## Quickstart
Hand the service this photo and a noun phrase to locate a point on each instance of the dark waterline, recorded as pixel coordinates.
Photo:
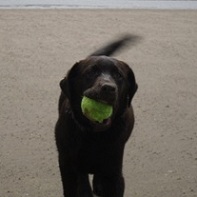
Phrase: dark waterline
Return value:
(96, 4)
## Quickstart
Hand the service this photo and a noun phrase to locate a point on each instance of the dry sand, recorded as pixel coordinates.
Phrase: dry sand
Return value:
(39, 46)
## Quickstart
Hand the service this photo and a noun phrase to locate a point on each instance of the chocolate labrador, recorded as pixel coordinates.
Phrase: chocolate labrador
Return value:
(90, 147)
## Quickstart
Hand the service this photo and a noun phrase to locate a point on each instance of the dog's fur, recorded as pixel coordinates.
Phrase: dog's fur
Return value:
(88, 147)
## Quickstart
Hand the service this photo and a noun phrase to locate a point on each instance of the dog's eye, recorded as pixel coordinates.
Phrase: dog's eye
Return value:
(96, 73)
(93, 72)
(118, 76)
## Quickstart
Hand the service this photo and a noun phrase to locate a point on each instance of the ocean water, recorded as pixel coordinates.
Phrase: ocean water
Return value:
(95, 4)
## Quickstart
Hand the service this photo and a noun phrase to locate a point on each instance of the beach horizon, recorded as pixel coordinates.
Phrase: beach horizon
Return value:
(101, 4)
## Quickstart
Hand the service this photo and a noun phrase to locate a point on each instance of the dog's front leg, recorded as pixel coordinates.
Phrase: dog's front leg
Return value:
(74, 183)
(69, 180)
(84, 188)
(108, 185)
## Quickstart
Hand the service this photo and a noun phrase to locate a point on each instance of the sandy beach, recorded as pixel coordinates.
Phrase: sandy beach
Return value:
(37, 49)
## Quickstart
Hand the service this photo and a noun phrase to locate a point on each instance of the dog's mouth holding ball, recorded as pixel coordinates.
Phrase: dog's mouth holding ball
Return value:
(104, 123)
(97, 111)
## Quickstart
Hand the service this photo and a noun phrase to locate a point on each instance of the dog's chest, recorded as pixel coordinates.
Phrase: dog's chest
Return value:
(91, 155)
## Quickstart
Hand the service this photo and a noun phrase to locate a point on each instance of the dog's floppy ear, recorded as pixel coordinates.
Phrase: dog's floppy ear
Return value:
(64, 86)
(132, 86)
(66, 83)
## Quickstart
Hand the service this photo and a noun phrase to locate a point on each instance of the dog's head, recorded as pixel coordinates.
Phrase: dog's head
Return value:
(103, 79)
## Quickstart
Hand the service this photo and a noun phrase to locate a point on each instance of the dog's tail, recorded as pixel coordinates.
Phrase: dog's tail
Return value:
(116, 45)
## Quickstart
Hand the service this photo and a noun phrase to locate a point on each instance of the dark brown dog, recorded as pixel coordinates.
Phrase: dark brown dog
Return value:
(88, 147)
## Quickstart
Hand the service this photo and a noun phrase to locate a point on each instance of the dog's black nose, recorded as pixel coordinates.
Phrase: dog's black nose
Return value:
(108, 88)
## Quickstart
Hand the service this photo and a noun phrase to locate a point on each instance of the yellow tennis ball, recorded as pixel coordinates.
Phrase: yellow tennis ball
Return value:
(94, 110)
